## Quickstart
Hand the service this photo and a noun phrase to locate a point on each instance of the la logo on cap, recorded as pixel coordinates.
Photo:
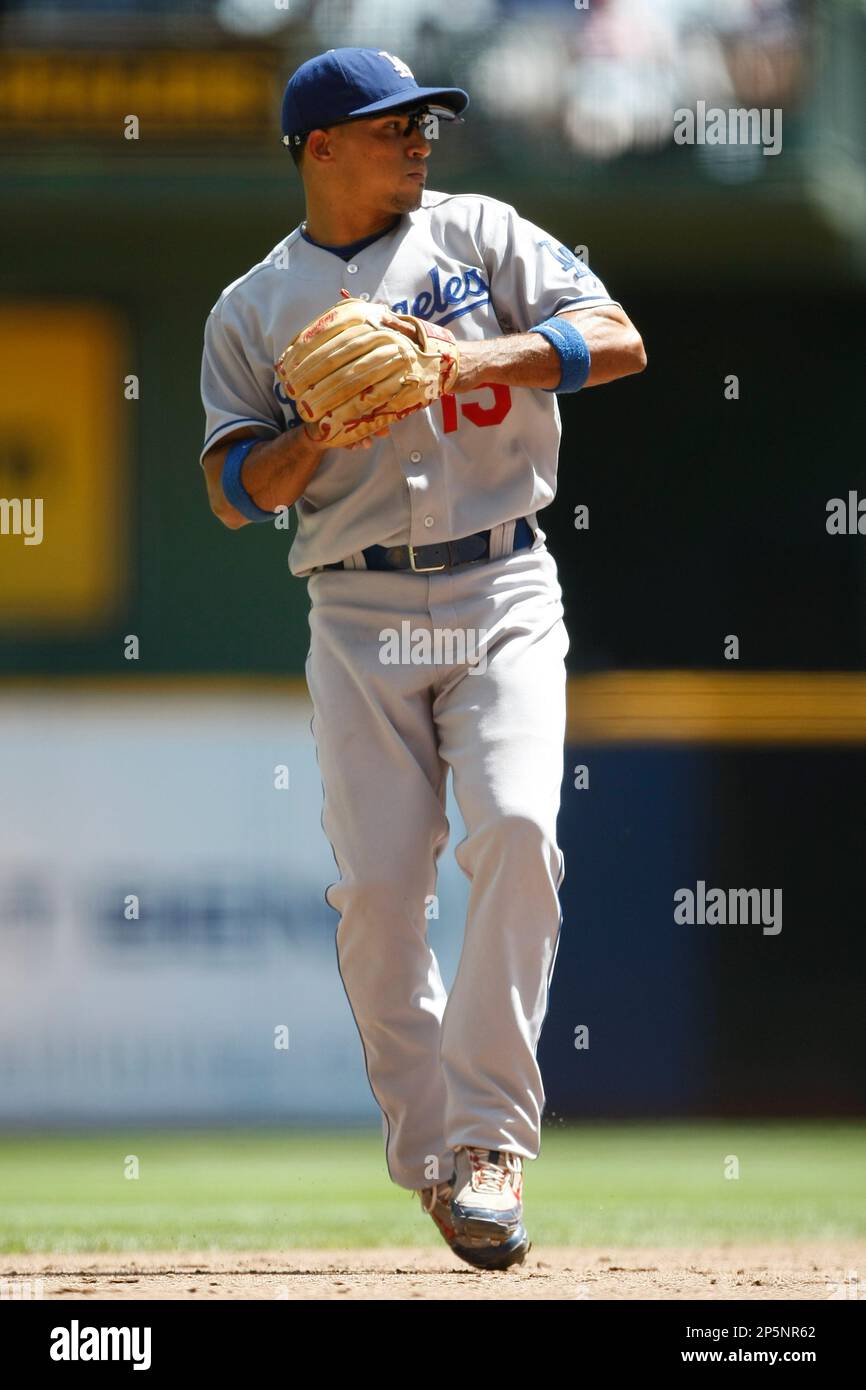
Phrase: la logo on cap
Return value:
(402, 69)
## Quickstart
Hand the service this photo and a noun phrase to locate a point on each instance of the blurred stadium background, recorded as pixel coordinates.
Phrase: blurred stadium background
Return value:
(151, 777)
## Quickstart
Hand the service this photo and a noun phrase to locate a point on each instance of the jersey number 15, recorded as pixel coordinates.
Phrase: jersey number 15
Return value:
(474, 411)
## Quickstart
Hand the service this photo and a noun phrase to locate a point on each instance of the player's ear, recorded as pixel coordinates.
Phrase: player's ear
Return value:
(321, 144)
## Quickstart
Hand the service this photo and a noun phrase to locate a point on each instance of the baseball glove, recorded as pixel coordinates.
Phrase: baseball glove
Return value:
(359, 367)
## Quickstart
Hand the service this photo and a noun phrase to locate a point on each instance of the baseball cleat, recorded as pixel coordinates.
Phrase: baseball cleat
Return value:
(494, 1254)
(481, 1252)
(488, 1195)
(436, 1200)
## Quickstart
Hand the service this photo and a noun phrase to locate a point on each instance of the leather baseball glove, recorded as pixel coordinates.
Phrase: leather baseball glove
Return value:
(359, 367)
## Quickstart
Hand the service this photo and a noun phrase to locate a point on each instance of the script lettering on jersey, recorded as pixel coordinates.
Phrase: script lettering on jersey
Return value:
(449, 297)
(458, 294)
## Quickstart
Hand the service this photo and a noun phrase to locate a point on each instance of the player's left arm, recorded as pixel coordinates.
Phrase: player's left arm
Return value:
(527, 359)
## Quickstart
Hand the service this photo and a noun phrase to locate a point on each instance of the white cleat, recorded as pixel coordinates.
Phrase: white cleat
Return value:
(488, 1194)
(485, 1244)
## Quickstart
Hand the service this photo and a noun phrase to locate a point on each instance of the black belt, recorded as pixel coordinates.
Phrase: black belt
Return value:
(440, 555)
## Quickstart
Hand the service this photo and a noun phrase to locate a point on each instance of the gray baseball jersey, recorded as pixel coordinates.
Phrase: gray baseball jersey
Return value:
(468, 462)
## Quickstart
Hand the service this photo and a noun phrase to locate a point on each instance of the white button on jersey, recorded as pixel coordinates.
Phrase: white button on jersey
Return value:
(414, 456)
(352, 269)
(363, 295)
(428, 521)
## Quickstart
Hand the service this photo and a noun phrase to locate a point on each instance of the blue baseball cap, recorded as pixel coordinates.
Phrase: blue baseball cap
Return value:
(348, 82)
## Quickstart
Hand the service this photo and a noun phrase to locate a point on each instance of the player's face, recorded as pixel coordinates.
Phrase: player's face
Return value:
(384, 167)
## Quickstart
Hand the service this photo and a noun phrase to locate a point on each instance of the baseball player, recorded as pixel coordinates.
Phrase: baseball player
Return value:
(390, 369)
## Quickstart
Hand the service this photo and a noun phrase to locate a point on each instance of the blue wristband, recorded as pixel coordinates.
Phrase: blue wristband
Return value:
(573, 352)
(233, 488)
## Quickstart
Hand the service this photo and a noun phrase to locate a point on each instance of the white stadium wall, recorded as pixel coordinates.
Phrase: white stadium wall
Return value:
(173, 1016)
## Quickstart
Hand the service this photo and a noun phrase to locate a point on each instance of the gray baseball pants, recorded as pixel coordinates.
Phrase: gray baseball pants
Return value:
(389, 720)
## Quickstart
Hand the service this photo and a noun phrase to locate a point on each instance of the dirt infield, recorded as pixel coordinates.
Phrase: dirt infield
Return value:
(808, 1271)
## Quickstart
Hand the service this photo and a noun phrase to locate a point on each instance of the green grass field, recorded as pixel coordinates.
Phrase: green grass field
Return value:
(618, 1184)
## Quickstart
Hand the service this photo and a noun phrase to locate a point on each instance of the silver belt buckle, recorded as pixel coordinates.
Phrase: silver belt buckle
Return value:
(421, 569)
